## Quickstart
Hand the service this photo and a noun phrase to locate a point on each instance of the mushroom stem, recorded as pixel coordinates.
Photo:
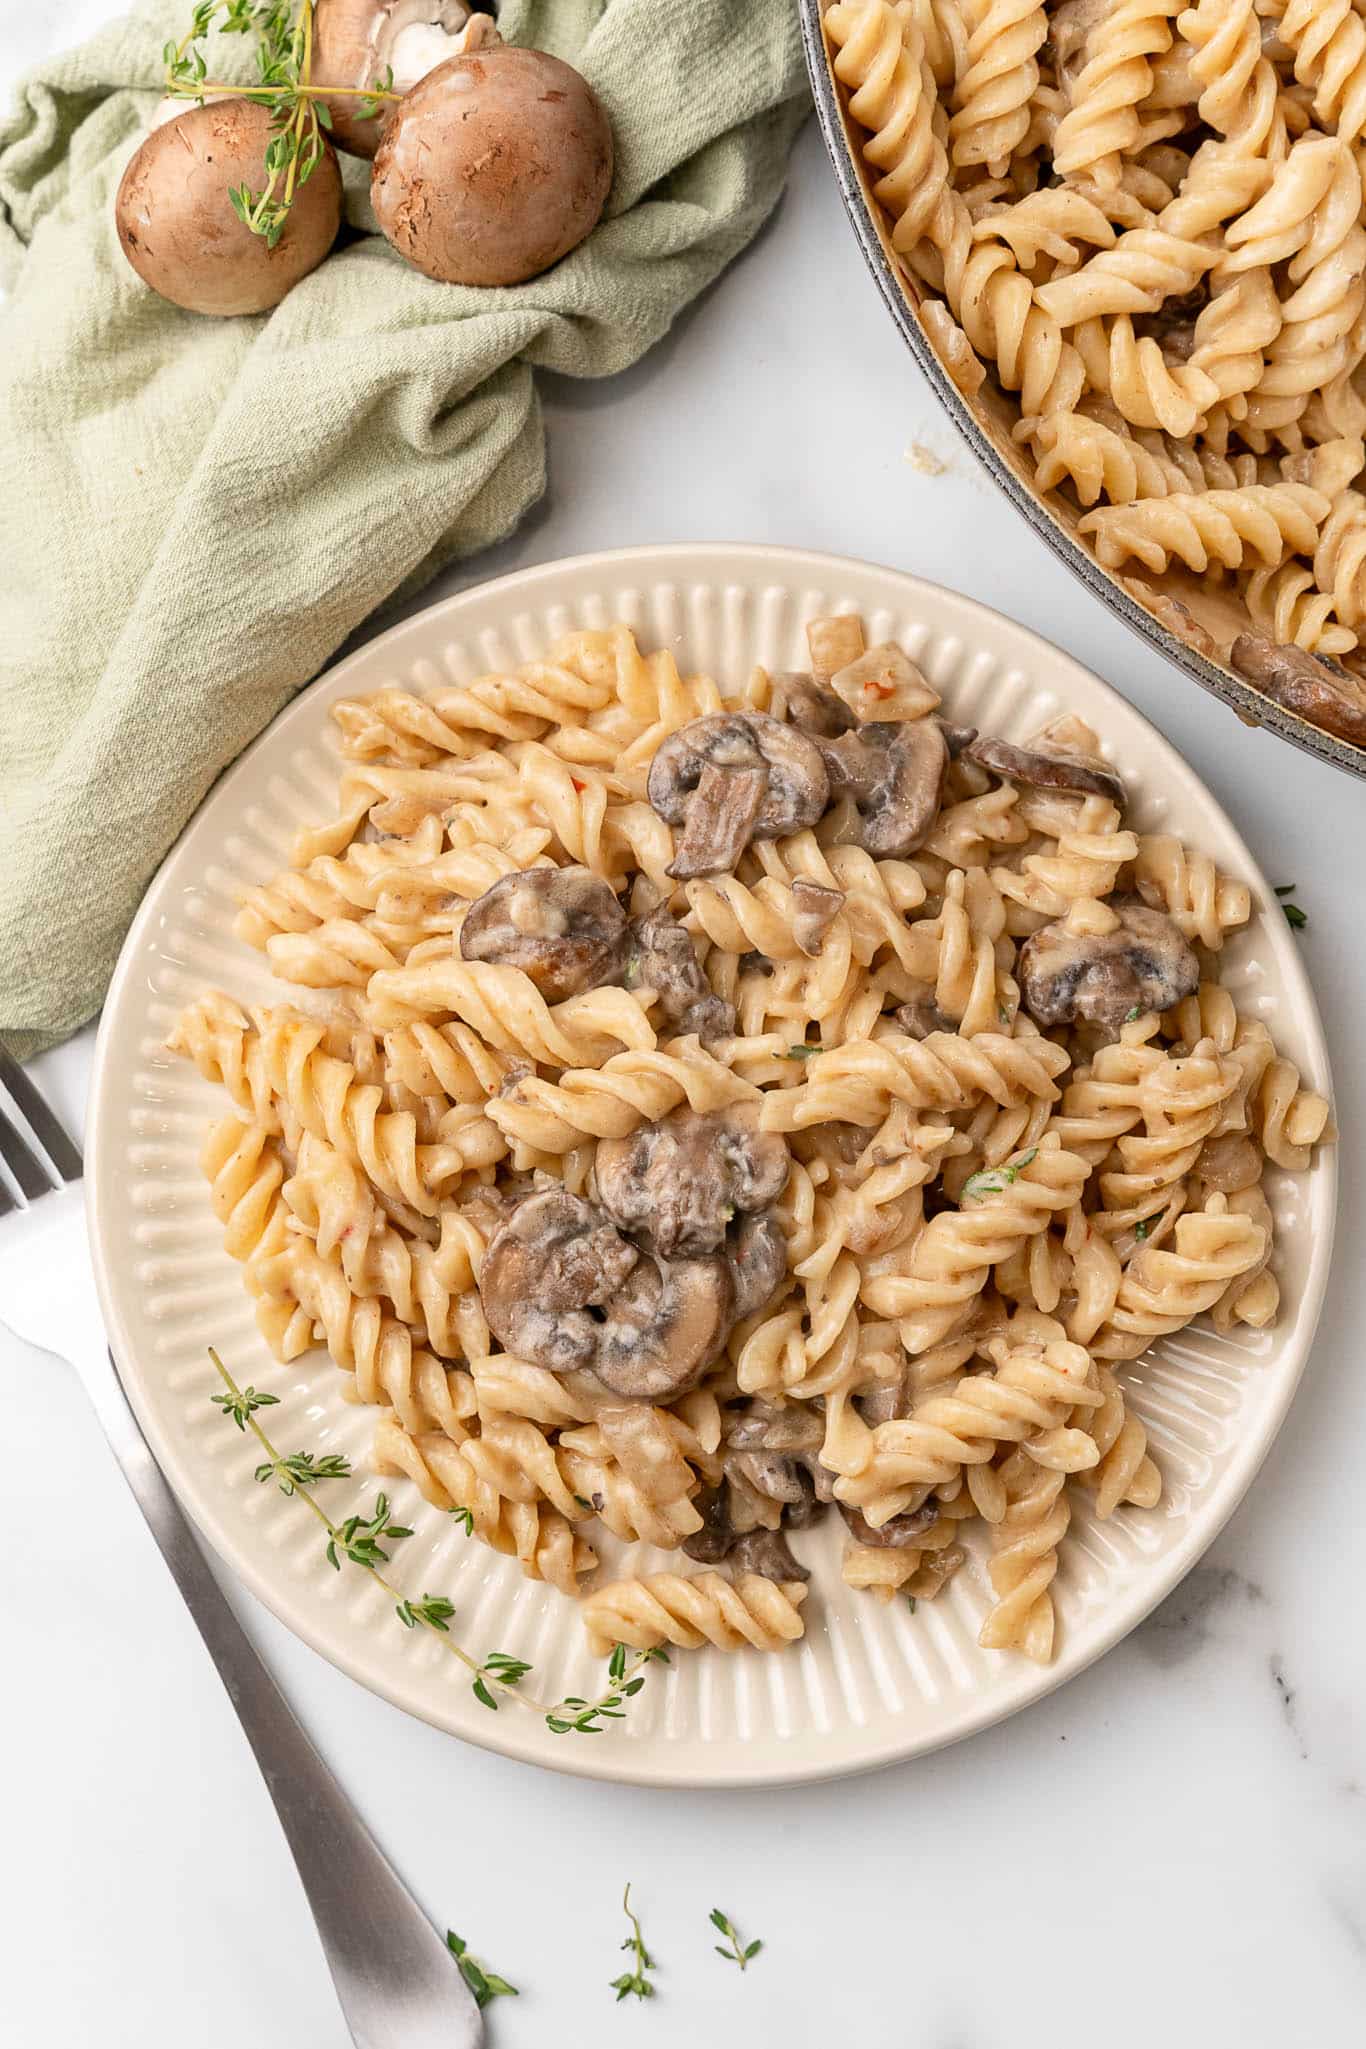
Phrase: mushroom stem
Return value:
(720, 820)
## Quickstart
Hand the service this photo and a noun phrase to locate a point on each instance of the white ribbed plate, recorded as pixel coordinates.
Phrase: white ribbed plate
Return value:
(870, 1683)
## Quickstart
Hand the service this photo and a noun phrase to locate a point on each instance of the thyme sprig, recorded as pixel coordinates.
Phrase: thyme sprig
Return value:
(361, 1539)
(298, 108)
(634, 1984)
(483, 1983)
(736, 1954)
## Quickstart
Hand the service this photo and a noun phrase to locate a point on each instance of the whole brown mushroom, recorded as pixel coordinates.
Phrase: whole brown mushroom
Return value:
(358, 43)
(493, 167)
(176, 223)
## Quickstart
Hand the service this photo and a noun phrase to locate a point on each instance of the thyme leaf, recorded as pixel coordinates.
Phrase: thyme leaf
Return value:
(735, 1954)
(298, 107)
(483, 1983)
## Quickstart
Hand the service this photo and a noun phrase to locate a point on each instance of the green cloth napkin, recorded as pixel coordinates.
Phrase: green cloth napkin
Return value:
(194, 514)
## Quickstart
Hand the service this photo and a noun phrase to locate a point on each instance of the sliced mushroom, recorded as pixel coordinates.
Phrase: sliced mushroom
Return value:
(730, 778)
(664, 1328)
(888, 1401)
(1068, 28)
(561, 1287)
(1177, 617)
(815, 909)
(772, 1426)
(765, 1552)
(1143, 964)
(561, 926)
(894, 777)
(663, 958)
(774, 1453)
(1230, 1163)
(898, 1533)
(554, 1261)
(1045, 770)
(678, 1184)
(956, 738)
(922, 1017)
(804, 702)
(712, 1543)
(757, 1252)
(1303, 683)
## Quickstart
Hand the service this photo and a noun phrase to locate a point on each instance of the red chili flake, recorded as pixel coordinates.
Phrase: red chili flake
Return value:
(580, 787)
(876, 689)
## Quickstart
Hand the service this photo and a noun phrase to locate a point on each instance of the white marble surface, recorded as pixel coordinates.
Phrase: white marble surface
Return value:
(1174, 1847)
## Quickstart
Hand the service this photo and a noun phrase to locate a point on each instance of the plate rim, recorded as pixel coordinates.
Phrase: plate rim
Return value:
(680, 561)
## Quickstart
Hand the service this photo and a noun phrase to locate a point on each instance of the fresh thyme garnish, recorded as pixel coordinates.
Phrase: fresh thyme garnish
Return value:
(1003, 1013)
(359, 1540)
(587, 1717)
(242, 1402)
(298, 108)
(910, 1602)
(504, 1671)
(634, 1982)
(735, 1954)
(465, 1517)
(991, 1180)
(1145, 1224)
(1294, 916)
(483, 1983)
(1132, 1016)
(434, 1612)
(301, 1469)
(802, 1052)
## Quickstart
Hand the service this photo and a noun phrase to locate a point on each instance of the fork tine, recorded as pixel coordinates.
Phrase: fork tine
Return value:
(28, 1170)
(64, 1154)
(7, 1202)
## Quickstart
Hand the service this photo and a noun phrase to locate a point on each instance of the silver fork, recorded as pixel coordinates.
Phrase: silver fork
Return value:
(398, 1985)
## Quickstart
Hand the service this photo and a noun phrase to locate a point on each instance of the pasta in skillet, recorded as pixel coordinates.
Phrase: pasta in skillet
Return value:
(725, 1114)
(1143, 221)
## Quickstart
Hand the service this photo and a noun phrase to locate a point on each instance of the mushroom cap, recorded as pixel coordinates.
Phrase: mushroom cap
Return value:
(1145, 964)
(175, 220)
(665, 1327)
(800, 700)
(1303, 683)
(757, 1251)
(356, 41)
(561, 926)
(493, 167)
(730, 778)
(561, 1287)
(555, 1259)
(1045, 769)
(664, 959)
(814, 910)
(893, 773)
(678, 1184)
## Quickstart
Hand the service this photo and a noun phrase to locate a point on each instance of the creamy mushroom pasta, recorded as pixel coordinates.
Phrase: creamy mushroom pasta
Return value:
(727, 1113)
(1143, 221)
